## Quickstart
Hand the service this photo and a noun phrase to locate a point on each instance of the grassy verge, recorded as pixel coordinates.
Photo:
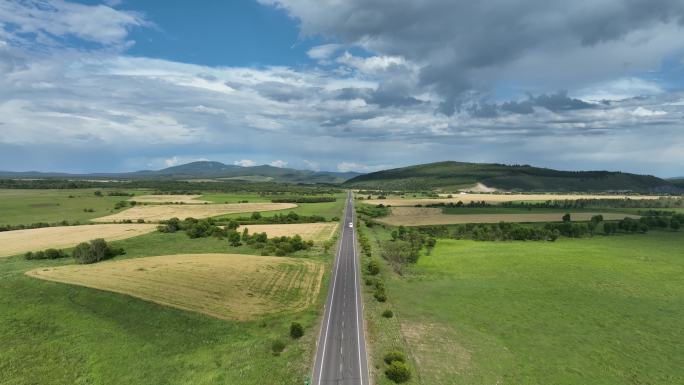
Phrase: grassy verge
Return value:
(603, 310)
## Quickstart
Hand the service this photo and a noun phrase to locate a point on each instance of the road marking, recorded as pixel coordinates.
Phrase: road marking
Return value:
(332, 300)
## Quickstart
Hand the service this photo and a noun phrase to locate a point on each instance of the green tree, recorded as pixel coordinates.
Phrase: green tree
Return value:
(296, 330)
(566, 217)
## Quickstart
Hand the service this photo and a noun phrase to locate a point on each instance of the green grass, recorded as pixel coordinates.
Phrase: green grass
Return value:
(233, 198)
(30, 206)
(53, 333)
(326, 209)
(603, 310)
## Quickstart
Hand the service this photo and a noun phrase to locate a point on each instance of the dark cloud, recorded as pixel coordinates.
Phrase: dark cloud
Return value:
(461, 45)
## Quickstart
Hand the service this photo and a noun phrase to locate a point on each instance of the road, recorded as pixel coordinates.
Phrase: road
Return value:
(341, 350)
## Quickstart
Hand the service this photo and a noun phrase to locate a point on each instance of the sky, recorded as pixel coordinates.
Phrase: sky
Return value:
(353, 85)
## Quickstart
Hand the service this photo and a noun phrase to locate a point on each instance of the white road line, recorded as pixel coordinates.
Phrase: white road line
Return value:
(332, 300)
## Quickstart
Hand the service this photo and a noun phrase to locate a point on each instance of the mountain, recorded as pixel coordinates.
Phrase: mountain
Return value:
(205, 170)
(452, 175)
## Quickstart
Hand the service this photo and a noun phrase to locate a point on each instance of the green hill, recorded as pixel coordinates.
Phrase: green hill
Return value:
(453, 175)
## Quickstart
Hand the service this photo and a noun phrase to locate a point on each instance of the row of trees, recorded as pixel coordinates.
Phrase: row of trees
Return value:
(306, 199)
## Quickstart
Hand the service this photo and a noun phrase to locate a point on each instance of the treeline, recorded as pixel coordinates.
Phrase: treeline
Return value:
(38, 225)
(257, 219)
(373, 211)
(84, 253)
(405, 247)
(572, 204)
(313, 199)
(175, 186)
(202, 228)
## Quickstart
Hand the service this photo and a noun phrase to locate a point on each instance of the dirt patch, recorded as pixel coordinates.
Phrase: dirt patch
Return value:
(21, 241)
(418, 216)
(226, 286)
(155, 213)
(179, 199)
(494, 198)
(437, 352)
(308, 231)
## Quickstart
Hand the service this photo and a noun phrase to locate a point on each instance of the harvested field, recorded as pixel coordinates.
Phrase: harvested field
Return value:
(418, 216)
(226, 286)
(493, 198)
(155, 213)
(308, 231)
(21, 241)
(185, 199)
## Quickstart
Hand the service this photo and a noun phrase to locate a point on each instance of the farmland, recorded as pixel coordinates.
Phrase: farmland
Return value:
(61, 237)
(574, 311)
(155, 213)
(169, 198)
(189, 319)
(227, 286)
(308, 231)
(419, 216)
(497, 198)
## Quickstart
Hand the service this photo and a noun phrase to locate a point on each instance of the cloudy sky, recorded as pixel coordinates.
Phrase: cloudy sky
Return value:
(342, 85)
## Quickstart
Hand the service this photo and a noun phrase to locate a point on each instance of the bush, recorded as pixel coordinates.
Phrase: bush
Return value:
(277, 347)
(95, 251)
(373, 267)
(296, 330)
(387, 313)
(398, 372)
(394, 355)
(380, 295)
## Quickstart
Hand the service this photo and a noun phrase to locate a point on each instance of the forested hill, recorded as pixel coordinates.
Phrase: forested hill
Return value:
(452, 175)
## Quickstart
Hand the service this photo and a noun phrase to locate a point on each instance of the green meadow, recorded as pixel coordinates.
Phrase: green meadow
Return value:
(602, 310)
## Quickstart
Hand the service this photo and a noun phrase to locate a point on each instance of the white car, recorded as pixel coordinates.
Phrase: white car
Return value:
(351, 224)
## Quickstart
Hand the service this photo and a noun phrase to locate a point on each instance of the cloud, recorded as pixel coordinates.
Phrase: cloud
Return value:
(645, 112)
(311, 165)
(53, 21)
(245, 163)
(171, 161)
(358, 167)
(323, 52)
(465, 48)
(278, 163)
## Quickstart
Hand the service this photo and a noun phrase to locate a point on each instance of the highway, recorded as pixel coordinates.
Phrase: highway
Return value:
(341, 350)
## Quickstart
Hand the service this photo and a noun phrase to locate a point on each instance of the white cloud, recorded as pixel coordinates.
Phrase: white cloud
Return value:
(171, 161)
(311, 165)
(645, 112)
(245, 163)
(358, 167)
(323, 52)
(620, 89)
(278, 163)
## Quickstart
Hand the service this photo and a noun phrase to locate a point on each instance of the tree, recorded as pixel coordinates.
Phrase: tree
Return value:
(674, 224)
(296, 330)
(256, 215)
(232, 225)
(566, 217)
(234, 238)
(398, 372)
(394, 355)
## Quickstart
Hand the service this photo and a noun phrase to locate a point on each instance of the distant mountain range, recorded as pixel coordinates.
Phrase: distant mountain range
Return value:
(444, 176)
(205, 170)
(460, 175)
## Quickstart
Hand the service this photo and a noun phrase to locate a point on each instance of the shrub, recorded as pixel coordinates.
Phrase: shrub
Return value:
(95, 251)
(373, 267)
(398, 372)
(380, 295)
(277, 347)
(394, 355)
(296, 330)
(387, 313)
(141, 220)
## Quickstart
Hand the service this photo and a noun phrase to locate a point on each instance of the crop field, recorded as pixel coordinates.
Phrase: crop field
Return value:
(308, 231)
(155, 213)
(226, 286)
(21, 241)
(328, 210)
(233, 198)
(602, 310)
(495, 198)
(22, 207)
(185, 199)
(419, 216)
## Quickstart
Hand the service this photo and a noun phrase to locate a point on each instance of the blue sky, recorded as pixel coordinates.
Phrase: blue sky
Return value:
(355, 85)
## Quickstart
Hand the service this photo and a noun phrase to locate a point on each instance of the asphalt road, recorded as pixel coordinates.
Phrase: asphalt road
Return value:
(341, 352)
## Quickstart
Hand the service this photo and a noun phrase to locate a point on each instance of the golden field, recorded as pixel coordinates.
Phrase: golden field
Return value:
(156, 213)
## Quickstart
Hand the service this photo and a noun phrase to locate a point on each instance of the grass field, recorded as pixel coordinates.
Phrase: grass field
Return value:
(233, 198)
(227, 286)
(494, 198)
(19, 207)
(328, 210)
(53, 333)
(602, 310)
(419, 216)
(316, 232)
(186, 199)
(155, 213)
(61, 237)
